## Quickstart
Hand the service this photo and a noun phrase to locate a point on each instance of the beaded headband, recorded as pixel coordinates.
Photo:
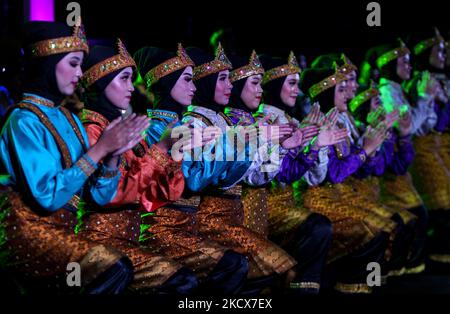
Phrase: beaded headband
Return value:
(253, 67)
(114, 63)
(392, 55)
(327, 83)
(291, 67)
(76, 42)
(347, 67)
(181, 61)
(361, 98)
(430, 42)
(219, 63)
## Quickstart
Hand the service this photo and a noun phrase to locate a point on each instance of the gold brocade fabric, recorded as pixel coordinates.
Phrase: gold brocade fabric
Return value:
(399, 191)
(175, 234)
(369, 189)
(444, 148)
(430, 175)
(121, 230)
(353, 225)
(220, 218)
(41, 247)
(254, 200)
(285, 215)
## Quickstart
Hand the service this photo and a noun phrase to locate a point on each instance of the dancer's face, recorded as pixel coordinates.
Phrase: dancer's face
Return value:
(68, 72)
(252, 91)
(290, 90)
(183, 90)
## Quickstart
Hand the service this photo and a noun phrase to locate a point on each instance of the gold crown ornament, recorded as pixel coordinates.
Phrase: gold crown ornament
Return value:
(76, 42)
(291, 67)
(361, 98)
(348, 66)
(392, 55)
(169, 66)
(430, 42)
(327, 82)
(220, 63)
(253, 67)
(114, 63)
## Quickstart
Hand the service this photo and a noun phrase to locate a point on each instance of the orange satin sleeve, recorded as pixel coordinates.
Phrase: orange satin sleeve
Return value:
(151, 180)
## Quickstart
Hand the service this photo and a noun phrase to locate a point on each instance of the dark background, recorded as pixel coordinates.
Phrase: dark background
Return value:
(309, 27)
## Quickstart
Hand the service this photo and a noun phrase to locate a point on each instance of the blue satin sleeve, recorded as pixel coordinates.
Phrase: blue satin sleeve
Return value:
(223, 167)
(31, 157)
(102, 186)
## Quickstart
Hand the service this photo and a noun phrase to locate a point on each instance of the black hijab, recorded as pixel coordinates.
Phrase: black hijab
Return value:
(40, 72)
(146, 59)
(272, 89)
(238, 86)
(313, 76)
(96, 99)
(206, 86)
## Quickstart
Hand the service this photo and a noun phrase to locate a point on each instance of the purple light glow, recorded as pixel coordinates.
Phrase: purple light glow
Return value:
(42, 10)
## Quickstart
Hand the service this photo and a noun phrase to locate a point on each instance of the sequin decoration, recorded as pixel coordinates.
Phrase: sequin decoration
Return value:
(291, 67)
(220, 63)
(76, 42)
(181, 61)
(114, 63)
(254, 67)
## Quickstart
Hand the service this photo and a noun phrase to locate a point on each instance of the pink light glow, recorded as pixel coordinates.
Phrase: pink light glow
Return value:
(42, 10)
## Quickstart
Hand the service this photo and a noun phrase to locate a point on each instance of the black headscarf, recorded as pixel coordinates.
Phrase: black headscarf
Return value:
(421, 62)
(389, 70)
(327, 60)
(238, 86)
(206, 86)
(311, 77)
(272, 89)
(146, 59)
(96, 99)
(40, 72)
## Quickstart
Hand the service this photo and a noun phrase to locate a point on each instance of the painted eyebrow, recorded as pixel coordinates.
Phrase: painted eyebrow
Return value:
(75, 58)
(188, 74)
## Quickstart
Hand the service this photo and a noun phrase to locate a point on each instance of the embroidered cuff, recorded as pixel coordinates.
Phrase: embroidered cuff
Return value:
(304, 285)
(163, 159)
(87, 165)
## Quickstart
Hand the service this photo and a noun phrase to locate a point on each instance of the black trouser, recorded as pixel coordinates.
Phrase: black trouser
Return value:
(439, 232)
(114, 280)
(228, 276)
(352, 268)
(309, 246)
(417, 251)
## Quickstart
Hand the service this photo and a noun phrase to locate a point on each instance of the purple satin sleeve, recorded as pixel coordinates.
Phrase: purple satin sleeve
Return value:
(341, 168)
(294, 165)
(443, 114)
(398, 154)
(373, 166)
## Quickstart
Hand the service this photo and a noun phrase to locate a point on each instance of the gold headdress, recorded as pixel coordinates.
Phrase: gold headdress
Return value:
(361, 98)
(219, 63)
(327, 83)
(182, 60)
(430, 42)
(348, 66)
(392, 55)
(76, 42)
(291, 67)
(114, 63)
(253, 67)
